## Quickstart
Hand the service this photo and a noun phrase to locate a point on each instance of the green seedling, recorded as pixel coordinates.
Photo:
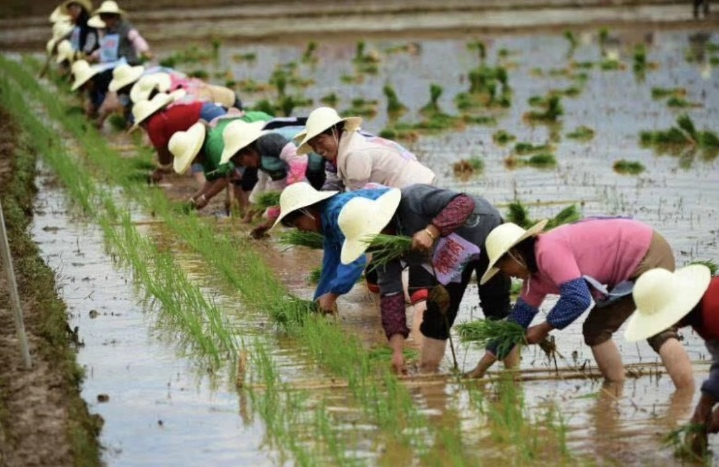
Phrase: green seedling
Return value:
(330, 100)
(529, 148)
(712, 265)
(553, 110)
(394, 106)
(308, 56)
(468, 166)
(387, 248)
(623, 166)
(296, 237)
(661, 93)
(519, 214)
(483, 332)
(581, 133)
(502, 137)
(268, 199)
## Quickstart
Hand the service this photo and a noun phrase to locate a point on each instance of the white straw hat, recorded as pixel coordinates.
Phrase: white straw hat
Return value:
(58, 15)
(83, 71)
(142, 110)
(148, 83)
(362, 218)
(663, 298)
(124, 75)
(239, 134)
(320, 120)
(60, 30)
(185, 145)
(65, 51)
(501, 239)
(96, 22)
(299, 195)
(86, 4)
(109, 7)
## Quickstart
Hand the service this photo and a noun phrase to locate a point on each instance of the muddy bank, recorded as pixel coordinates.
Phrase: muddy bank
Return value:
(43, 419)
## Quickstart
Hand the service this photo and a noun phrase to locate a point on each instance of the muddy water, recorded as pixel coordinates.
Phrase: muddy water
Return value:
(158, 399)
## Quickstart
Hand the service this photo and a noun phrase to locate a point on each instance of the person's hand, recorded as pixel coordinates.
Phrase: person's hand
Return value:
(156, 176)
(713, 422)
(537, 333)
(201, 201)
(398, 362)
(423, 240)
(259, 231)
(327, 303)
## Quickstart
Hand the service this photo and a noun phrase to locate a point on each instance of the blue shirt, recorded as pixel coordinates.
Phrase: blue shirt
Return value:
(336, 277)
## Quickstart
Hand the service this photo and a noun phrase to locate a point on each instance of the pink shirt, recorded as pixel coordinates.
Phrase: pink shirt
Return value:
(609, 250)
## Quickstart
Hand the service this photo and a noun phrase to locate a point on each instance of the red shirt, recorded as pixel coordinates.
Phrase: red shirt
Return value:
(709, 306)
(164, 124)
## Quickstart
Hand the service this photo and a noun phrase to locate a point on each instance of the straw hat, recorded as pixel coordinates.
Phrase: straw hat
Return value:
(86, 4)
(320, 120)
(148, 83)
(663, 298)
(142, 110)
(109, 7)
(96, 22)
(299, 195)
(82, 71)
(501, 239)
(58, 15)
(60, 30)
(65, 51)
(239, 134)
(185, 145)
(124, 75)
(362, 218)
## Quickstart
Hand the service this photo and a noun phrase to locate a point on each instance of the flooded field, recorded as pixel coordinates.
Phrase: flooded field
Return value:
(162, 405)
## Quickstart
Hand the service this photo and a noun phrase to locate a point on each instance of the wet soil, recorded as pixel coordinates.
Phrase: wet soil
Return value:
(43, 419)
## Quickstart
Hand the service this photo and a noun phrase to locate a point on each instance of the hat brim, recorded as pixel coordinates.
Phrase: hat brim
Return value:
(352, 124)
(183, 161)
(96, 22)
(383, 209)
(132, 76)
(231, 149)
(690, 282)
(492, 269)
(87, 77)
(158, 105)
(316, 198)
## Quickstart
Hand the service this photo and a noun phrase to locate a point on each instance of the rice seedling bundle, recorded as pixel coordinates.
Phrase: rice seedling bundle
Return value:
(295, 237)
(268, 199)
(387, 248)
(485, 331)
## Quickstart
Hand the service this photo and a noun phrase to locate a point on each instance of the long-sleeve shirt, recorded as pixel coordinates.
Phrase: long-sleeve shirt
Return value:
(336, 277)
(362, 159)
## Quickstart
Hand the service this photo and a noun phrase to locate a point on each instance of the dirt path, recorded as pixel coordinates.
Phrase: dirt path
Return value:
(43, 419)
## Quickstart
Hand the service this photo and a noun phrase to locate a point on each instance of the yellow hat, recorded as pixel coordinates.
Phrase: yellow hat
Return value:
(321, 119)
(109, 7)
(148, 83)
(185, 145)
(363, 218)
(144, 109)
(663, 298)
(501, 239)
(82, 71)
(124, 75)
(239, 134)
(299, 195)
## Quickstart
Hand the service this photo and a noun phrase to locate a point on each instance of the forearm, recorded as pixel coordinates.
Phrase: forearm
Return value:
(214, 187)
(453, 215)
(394, 318)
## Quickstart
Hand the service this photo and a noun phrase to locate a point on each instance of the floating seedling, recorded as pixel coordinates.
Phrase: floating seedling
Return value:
(432, 107)
(623, 166)
(469, 166)
(708, 263)
(252, 86)
(296, 237)
(661, 93)
(395, 108)
(330, 99)
(412, 48)
(362, 107)
(582, 65)
(502, 137)
(581, 133)
(611, 64)
(308, 56)
(199, 74)
(689, 441)
(552, 110)
(541, 161)
(488, 87)
(352, 79)
(529, 148)
(480, 48)
(572, 39)
(519, 214)
(246, 57)
(192, 54)
(505, 334)
(684, 134)
(680, 103)
(366, 62)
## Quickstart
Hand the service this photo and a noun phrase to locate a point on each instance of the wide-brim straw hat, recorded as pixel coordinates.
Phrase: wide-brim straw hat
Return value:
(58, 15)
(362, 218)
(501, 239)
(61, 30)
(109, 7)
(185, 145)
(148, 83)
(300, 195)
(141, 111)
(65, 51)
(83, 72)
(320, 120)
(86, 4)
(663, 298)
(96, 22)
(239, 134)
(124, 75)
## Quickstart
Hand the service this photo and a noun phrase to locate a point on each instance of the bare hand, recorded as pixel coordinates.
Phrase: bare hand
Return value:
(156, 176)
(259, 231)
(398, 362)
(201, 202)
(327, 303)
(422, 241)
(536, 334)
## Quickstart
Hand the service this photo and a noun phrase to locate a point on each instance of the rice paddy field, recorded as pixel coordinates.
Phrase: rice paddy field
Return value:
(196, 347)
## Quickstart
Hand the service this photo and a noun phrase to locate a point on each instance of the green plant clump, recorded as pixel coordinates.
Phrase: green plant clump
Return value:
(503, 137)
(529, 148)
(387, 248)
(582, 133)
(394, 106)
(553, 110)
(623, 166)
(519, 214)
(296, 237)
(484, 332)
